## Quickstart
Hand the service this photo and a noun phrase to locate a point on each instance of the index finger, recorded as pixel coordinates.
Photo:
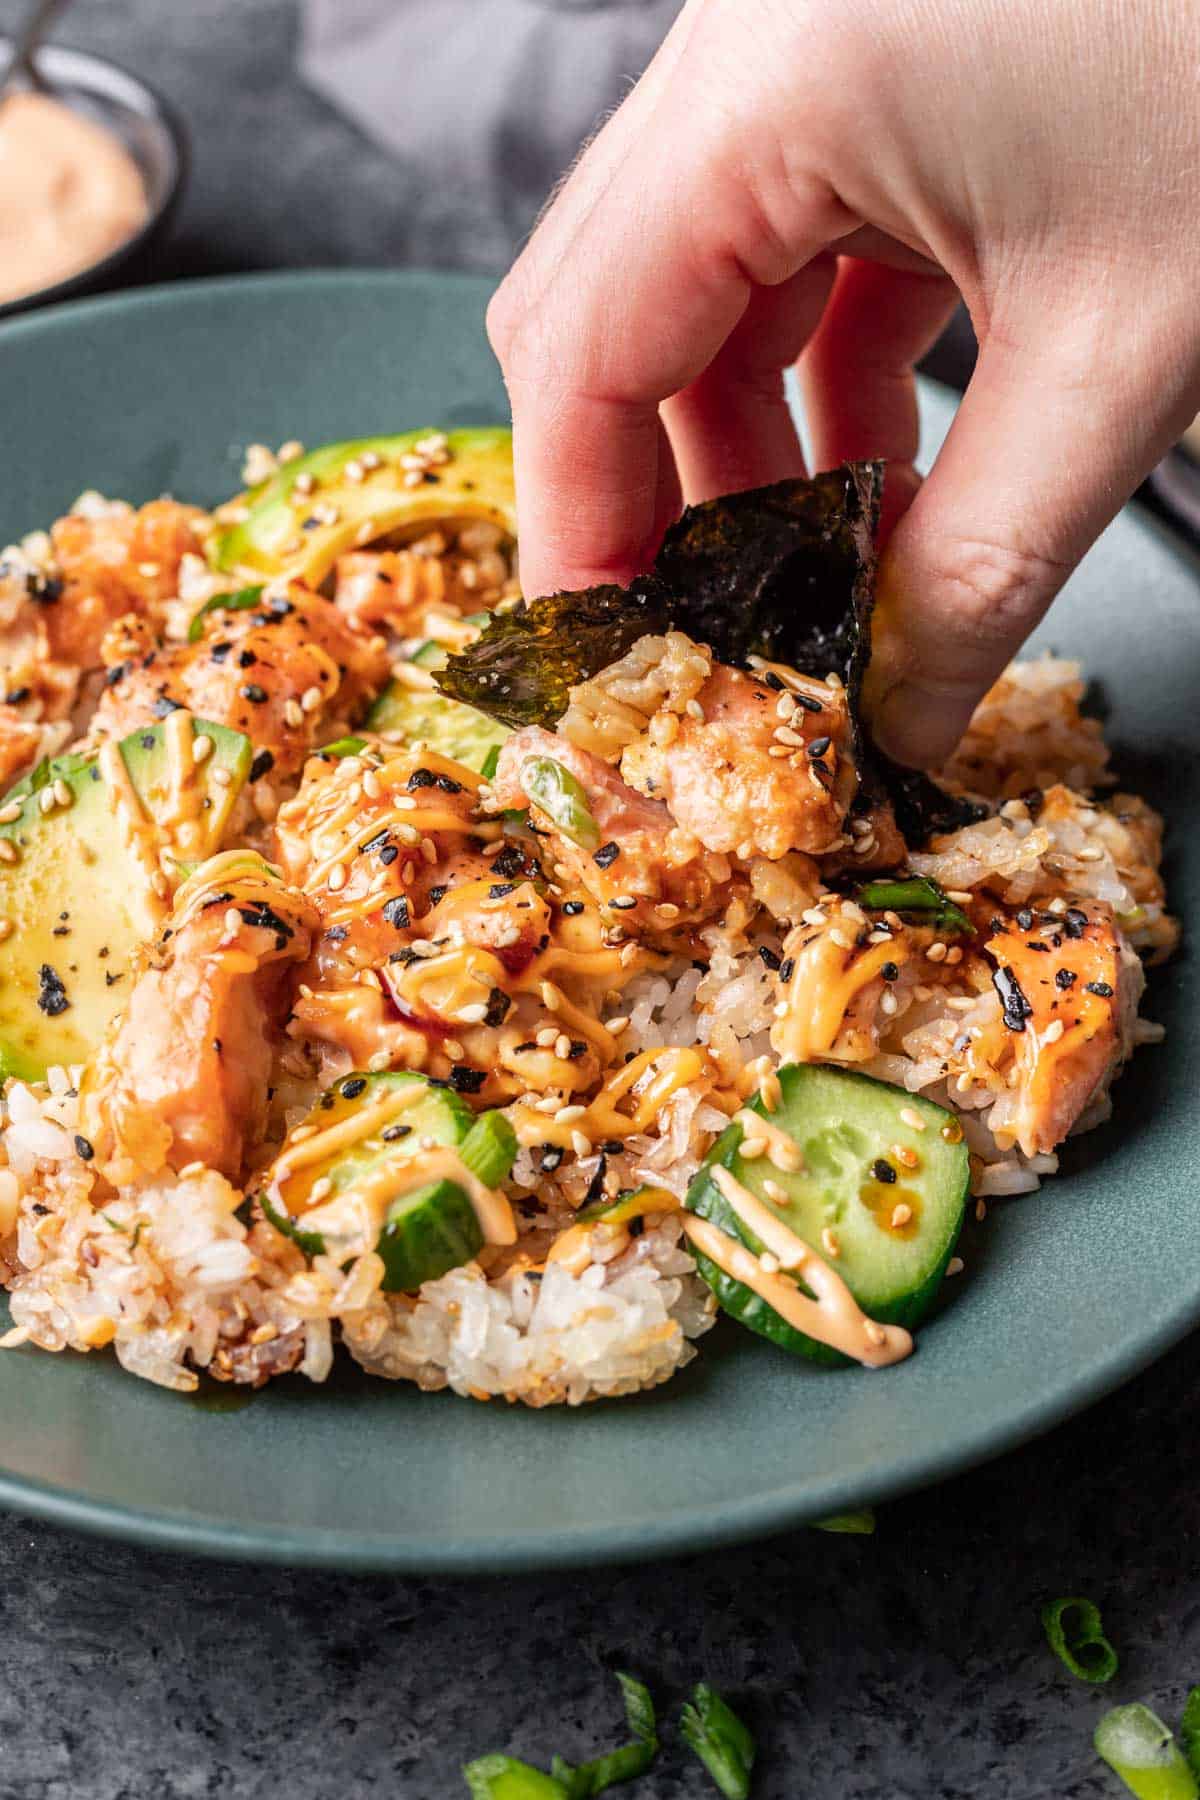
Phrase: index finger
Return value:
(646, 279)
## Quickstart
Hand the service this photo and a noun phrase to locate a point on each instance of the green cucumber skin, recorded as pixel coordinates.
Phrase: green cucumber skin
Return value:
(435, 1230)
(705, 1199)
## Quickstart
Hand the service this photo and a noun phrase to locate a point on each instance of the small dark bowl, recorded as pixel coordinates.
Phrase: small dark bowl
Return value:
(152, 133)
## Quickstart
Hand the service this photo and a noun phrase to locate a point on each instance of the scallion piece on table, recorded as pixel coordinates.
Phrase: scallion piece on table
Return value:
(1189, 1731)
(1073, 1632)
(625, 1764)
(721, 1741)
(504, 1778)
(859, 1523)
(1138, 1747)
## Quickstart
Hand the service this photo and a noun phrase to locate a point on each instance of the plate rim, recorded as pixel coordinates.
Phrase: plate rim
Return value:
(503, 1552)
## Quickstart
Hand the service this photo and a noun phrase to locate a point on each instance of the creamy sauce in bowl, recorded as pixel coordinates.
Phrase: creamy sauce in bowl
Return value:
(70, 194)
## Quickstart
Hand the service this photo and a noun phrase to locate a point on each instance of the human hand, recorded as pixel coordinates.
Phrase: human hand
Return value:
(819, 180)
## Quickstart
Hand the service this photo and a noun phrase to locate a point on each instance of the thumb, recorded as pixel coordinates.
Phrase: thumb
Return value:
(1045, 448)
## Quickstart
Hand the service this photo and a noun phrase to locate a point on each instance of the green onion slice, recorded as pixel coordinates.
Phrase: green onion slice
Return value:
(344, 746)
(720, 1739)
(504, 1778)
(243, 601)
(1189, 1731)
(625, 1764)
(555, 791)
(1138, 1747)
(918, 898)
(489, 1149)
(859, 1523)
(1074, 1634)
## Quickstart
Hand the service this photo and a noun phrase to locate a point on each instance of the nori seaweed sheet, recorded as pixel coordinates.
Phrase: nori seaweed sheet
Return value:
(785, 572)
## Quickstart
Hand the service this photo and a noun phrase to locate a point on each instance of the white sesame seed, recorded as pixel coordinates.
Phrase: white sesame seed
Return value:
(829, 1242)
(562, 1045)
(566, 1115)
(10, 812)
(900, 1215)
(1053, 1031)
(47, 801)
(310, 699)
(546, 1036)
(955, 1266)
(292, 716)
(62, 792)
(912, 1118)
(202, 748)
(695, 710)
(222, 777)
(454, 1049)
(617, 1025)
(337, 878)
(936, 952)
(581, 1144)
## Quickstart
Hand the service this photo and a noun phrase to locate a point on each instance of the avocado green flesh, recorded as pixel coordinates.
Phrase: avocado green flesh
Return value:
(476, 483)
(426, 1232)
(76, 896)
(844, 1124)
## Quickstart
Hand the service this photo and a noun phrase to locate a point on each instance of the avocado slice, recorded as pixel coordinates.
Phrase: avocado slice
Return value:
(476, 483)
(76, 891)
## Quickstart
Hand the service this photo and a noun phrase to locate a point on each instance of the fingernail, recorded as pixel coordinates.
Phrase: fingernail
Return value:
(917, 728)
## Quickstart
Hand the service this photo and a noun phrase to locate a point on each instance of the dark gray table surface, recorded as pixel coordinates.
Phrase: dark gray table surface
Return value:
(901, 1667)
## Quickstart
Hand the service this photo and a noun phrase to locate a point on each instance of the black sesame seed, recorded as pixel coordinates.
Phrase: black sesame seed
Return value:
(573, 908)
(498, 890)
(551, 1156)
(438, 894)
(16, 695)
(83, 1147)
(219, 652)
(447, 784)
(1074, 922)
(1065, 978)
(509, 862)
(353, 1086)
(606, 855)
(1025, 919)
(252, 692)
(388, 855)
(808, 703)
(890, 971)
(635, 1227)
(883, 1171)
(787, 968)
(246, 659)
(772, 680)
(769, 958)
(394, 1133)
(263, 763)
(624, 903)
(395, 912)
(577, 1049)
(819, 746)
(420, 778)
(1098, 987)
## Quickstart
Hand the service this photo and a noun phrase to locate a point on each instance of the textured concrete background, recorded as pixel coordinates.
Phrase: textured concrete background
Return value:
(909, 1666)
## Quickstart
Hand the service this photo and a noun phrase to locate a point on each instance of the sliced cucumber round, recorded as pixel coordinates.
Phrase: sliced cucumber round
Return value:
(425, 1232)
(882, 1179)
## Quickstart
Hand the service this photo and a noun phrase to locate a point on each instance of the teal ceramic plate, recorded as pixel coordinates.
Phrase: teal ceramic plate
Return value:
(1065, 1295)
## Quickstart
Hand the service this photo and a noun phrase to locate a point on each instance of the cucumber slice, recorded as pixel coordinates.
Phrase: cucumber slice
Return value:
(847, 1128)
(426, 1232)
(446, 726)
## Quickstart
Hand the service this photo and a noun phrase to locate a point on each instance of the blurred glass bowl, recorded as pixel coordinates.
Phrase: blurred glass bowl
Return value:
(153, 135)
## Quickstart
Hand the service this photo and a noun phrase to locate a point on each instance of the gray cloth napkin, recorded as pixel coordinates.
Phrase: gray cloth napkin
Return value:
(487, 101)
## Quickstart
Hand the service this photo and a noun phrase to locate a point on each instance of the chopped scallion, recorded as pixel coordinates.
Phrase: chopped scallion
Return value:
(555, 791)
(1138, 1747)
(243, 601)
(504, 1778)
(625, 1764)
(918, 898)
(720, 1739)
(1074, 1634)
(859, 1523)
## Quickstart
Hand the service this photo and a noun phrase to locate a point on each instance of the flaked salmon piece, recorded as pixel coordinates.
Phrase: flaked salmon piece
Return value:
(1069, 989)
(750, 769)
(651, 874)
(183, 1074)
(282, 673)
(20, 744)
(112, 562)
